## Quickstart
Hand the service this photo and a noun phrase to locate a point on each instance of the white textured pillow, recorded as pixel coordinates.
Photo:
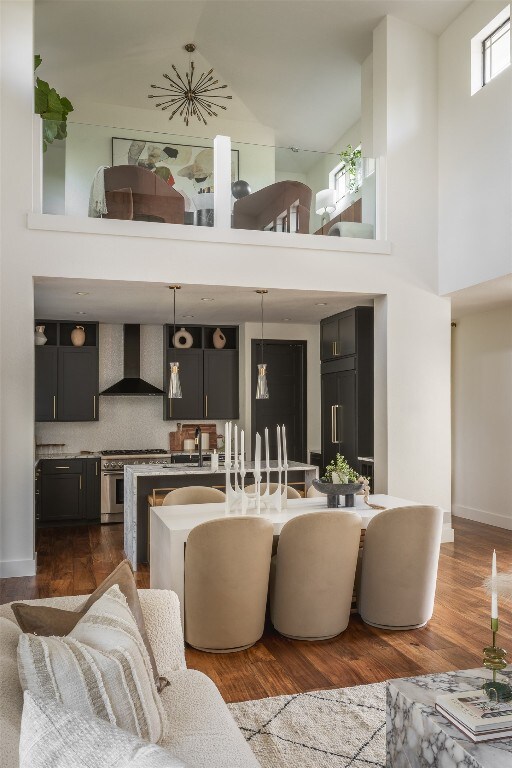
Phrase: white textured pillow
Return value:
(101, 668)
(55, 737)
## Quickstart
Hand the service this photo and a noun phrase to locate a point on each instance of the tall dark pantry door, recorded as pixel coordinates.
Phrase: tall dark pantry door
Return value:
(286, 377)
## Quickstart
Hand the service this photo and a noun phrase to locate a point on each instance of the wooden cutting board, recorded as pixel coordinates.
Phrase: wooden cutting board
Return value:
(188, 432)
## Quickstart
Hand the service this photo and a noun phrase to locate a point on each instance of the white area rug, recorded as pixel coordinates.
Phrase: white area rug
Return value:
(338, 728)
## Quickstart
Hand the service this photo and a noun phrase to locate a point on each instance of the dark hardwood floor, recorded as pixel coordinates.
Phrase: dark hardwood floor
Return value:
(75, 560)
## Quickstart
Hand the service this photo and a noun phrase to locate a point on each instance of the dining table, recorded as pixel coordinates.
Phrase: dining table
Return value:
(170, 527)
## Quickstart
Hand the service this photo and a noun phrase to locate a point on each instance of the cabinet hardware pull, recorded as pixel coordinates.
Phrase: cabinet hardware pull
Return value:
(80, 482)
(96, 469)
(334, 347)
(37, 493)
(54, 406)
(336, 423)
(94, 406)
(206, 406)
(332, 423)
(61, 467)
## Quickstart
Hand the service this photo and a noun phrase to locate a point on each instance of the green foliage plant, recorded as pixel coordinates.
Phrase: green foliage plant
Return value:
(52, 107)
(341, 466)
(351, 158)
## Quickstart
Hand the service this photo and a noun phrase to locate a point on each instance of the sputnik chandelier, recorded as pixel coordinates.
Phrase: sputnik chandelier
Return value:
(188, 98)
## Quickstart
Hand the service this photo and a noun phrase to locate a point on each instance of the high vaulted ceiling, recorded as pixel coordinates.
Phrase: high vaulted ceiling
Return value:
(294, 66)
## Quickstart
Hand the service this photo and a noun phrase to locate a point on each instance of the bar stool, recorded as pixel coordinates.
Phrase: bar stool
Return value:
(194, 494)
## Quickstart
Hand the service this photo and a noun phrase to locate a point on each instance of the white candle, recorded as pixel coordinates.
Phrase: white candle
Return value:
(242, 451)
(236, 446)
(278, 447)
(257, 457)
(494, 593)
(267, 451)
(285, 454)
(227, 445)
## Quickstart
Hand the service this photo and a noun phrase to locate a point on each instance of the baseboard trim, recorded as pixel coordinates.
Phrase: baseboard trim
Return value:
(447, 534)
(17, 568)
(481, 516)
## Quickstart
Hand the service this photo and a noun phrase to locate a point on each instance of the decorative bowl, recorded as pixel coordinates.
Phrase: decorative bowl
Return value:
(334, 490)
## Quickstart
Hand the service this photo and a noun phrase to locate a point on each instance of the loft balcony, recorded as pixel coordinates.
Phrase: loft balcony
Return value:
(118, 181)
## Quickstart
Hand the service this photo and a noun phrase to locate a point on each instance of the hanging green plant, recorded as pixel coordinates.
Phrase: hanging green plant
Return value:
(52, 107)
(352, 160)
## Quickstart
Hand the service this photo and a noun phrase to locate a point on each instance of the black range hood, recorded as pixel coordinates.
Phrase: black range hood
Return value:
(132, 385)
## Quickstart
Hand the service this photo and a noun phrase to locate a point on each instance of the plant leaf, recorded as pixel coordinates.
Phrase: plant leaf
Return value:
(43, 85)
(37, 61)
(66, 104)
(40, 101)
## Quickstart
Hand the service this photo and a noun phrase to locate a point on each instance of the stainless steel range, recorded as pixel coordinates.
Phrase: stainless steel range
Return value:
(112, 477)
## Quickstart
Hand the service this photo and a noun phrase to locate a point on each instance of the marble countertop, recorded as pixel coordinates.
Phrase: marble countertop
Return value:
(58, 456)
(138, 470)
(418, 735)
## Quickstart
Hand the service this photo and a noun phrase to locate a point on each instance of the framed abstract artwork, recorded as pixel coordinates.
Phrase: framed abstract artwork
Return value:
(186, 167)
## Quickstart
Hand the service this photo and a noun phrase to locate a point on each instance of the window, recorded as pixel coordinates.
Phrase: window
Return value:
(490, 50)
(340, 184)
(496, 52)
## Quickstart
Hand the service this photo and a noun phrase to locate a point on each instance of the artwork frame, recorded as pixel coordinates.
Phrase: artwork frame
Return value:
(186, 167)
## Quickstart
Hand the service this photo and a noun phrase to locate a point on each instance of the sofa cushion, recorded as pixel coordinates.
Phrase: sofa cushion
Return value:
(45, 620)
(203, 733)
(11, 695)
(100, 668)
(55, 737)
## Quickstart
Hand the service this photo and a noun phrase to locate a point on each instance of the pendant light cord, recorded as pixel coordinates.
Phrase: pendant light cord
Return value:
(174, 336)
(261, 328)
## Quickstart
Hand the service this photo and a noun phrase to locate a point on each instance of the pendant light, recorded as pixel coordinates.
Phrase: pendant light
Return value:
(174, 378)
(262, 386)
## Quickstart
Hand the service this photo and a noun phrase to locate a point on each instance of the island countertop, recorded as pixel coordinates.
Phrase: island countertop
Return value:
(141, 479)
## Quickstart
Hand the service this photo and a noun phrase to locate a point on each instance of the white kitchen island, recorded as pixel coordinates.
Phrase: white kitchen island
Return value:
(141, 479)
(170, 527)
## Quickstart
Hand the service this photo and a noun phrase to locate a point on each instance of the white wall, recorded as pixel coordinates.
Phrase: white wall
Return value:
(295, 332)
(482, 417)
(475, 188)
(124, 422)
(414, 334)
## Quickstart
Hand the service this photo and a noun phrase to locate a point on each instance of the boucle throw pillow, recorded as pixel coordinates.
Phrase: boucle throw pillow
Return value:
(101, 668)
(46, 620)
(55, 737)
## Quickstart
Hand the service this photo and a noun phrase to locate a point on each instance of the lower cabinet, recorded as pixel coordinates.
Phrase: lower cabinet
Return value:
(68, 490)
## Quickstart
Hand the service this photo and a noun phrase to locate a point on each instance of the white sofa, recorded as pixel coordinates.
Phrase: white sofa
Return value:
(201, 730)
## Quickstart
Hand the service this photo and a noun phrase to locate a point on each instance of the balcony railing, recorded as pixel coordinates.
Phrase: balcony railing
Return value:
(106, 172)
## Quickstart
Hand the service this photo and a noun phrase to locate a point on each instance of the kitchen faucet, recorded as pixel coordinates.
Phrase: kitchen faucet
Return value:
(199, 444)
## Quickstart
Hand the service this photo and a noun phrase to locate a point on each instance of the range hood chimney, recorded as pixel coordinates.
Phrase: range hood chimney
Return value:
(132, 385)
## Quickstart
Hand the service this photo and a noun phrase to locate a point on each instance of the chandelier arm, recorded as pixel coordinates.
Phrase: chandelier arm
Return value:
(206, 106)
(211, 88)
(163, 88)
(204, 78)
(176, 85)
(198, 113)
(179, 77)
(180, 106)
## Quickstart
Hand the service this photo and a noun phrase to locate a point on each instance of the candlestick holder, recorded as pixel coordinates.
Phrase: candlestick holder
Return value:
(494, 659)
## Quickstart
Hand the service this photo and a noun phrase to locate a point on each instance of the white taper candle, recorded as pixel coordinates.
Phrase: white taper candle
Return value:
(242, 451)
(278, 447)
(267, 451)
(285, 454)
(494, 593)
(257, 456)
(236, 446)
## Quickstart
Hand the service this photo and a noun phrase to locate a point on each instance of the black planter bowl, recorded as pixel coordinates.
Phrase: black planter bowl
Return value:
(333, 491)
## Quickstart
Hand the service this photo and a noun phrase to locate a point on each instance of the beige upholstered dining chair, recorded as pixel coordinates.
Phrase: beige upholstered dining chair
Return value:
(193, 494)
(312, 575)
(399, 567)
(227, 563)
(312, 492)
(291, 493)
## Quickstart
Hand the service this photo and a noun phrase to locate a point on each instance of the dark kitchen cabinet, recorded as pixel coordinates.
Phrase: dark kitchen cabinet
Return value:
(68, 491)
(93, 489)
(209, 377)
(347, 387)
(46, 383)
(190, 406)
(77, 398)
(67, 377)
(220, 382)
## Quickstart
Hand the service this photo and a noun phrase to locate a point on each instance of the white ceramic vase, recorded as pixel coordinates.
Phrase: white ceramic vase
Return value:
(219, 340)
(182, 339)
(78, 336)
(39, 337)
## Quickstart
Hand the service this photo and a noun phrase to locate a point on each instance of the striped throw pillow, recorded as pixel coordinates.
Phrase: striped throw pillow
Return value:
(101, 668)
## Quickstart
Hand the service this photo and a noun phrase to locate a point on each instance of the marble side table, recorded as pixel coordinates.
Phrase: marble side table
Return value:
(417, 736)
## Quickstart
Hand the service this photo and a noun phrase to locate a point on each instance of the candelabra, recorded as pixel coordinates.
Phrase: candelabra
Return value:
(238, 500)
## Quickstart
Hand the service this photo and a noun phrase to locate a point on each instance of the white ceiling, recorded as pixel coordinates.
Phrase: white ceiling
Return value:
(294, 65)
(151, 303)
(483, 297)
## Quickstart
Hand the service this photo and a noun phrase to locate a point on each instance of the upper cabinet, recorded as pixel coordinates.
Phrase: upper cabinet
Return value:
(338, 335)
(209, 376)
(67, 376)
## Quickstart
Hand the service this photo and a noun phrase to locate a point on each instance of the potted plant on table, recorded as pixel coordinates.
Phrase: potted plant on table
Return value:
(52, 107)
(340, 479)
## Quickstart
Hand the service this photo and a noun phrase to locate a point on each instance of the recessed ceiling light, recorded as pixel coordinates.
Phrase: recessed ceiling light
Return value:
(286, 319)
(81, 313)
(82, 293)
(187, 315)
(207, 299)
(321, 304)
